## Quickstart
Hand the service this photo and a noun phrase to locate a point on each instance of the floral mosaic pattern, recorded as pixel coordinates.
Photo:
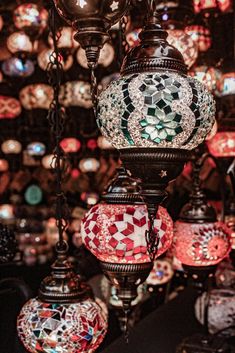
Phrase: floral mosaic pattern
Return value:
(57, 328)
(201, 245)
(156, 110)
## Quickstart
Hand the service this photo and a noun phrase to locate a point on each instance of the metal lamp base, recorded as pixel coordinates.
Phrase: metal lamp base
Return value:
(127, 278)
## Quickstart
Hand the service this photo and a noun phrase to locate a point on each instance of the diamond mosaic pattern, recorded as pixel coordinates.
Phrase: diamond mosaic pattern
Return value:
(117, 233)
(201, 245)
(56, 328)
(156, 110)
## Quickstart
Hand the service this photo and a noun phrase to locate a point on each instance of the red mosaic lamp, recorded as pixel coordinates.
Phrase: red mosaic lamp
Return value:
(115, 232)
(200, 241)
(222, 144)
(212, 6)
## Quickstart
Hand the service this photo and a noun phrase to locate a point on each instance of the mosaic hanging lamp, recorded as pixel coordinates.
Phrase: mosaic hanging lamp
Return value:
(92, 20)
(208, 75)
(208, 7)
(154, 114)
(200, 241)
(222, 144)
(115, 232)
(64, 317)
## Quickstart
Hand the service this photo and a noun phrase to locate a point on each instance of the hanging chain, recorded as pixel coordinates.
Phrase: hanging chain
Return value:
(57, 117)
(94, 90)
(152, 237)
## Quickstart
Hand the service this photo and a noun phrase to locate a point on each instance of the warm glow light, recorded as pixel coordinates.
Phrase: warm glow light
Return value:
(11, 147)
(133, 37)
(19, 42)
(17, 67)
(36, 96)
(185, 44)
(65, 39)
(198, 244)
(30, 15)
(89, 165)
(70, 145)
(10, 107)
(90, 198)
(227, 84)
(161, 273)
(222, 144)
(116, 233)
(104, 144)
(76, 93)
(36, 149)
(106, 57)
(6, 211)
(201, 35)
(208, 5)
(4, 165)
(45, 56)
(1, 23)
(48, 161)
(209, 76)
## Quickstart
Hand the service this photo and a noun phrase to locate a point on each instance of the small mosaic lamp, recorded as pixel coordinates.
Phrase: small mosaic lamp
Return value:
(36, 96)
(88, 165)
(11, 147)
(200, 241)
(46, 55)
(209, 76)
(36, 149)
(227, 84)
(212, 6)
(19, 42)
(10, 108)
(115, 232)
(76, 93)
(182, 41)
(201, 35)
(222, 144)
(30, 17)
(70, 145)
(64, 317)
(65, 40)
(16, 67)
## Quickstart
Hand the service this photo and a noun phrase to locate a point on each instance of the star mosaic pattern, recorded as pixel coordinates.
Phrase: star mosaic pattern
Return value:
(61, 328)
(116, 233)
(165, 110)
(201, 245)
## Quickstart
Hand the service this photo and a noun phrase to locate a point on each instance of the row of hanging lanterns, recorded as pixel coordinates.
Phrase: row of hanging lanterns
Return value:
(154, 114)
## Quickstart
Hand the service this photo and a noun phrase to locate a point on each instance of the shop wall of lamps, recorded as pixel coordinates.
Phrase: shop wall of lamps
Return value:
(155, 115)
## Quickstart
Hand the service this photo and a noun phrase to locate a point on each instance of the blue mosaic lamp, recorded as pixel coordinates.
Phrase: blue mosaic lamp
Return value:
(155, 114)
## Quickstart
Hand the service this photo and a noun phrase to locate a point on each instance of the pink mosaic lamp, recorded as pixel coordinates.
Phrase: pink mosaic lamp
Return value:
(200, 241)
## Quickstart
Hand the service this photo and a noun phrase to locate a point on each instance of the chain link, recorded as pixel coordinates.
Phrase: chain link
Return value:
(57, 118)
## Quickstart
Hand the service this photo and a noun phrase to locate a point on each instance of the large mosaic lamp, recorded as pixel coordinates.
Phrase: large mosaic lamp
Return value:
(64, 317)
(115, 232)
(92, 20)
(200, 241)
(155, 114)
